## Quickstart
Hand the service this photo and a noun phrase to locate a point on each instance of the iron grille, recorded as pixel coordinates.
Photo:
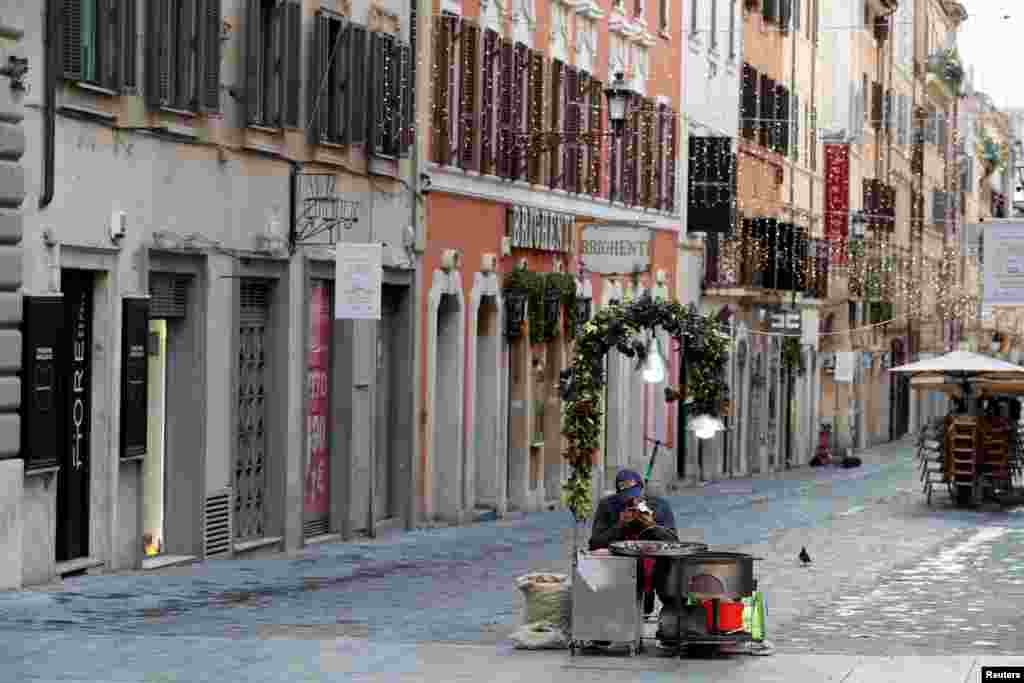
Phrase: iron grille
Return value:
(217, 524)
(168, 295)
(255, 299)
(316, 527)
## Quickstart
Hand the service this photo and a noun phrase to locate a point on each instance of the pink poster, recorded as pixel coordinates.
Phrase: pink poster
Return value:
(317, 431)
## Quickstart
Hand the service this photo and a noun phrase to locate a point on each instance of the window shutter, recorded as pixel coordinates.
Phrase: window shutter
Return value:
(596, 126)
(184, 88)
(108, 30)
(469, 36)
(785, 13)
(522, 60)
(890, 114)
(506, 138)
(580, 118)
(942, 140)
(659, 161)
(158, 54)
(440, 142)
(380, 65)
(796, 15)
(767, 112)
(406, 90)
(632, 162)
(291, 54)
(357, 79)
(334, 79)
(71, 43)
(393, 116)
(651, 189)
(673, 137)
(568, 127)
(129, 42)
(795, 118)
(876, 105)
(782, 104)
(558, 77)
(254, 113)
(317, 89)
(209, 78)
(491, 63)
(749, 101)
(535, 114)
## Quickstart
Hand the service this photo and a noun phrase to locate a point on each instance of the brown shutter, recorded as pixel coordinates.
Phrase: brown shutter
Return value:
(273, 76)
(393, 115)
(291, 55)
(659, 159)
(631, 155)
(358, 77)
(335, 75)
(569, 117)
(379, 61)
(672, 147)
(158, 55)
(209, 81)
(877, 102)
(129, 43)
(582, 126)
(653, 152)
(535, 115)
(522, 63)
(490, 63)
(254, 99)
(183, 73)
(558, 78)
(469, 37)
(597, 143)
(407, 90)
(108, 30)
(317, 89)
(506, 137)
(444, 29)
(71, 43)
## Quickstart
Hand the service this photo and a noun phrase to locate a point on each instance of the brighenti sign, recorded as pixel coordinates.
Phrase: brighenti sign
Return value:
(616, 249)
(541, 230)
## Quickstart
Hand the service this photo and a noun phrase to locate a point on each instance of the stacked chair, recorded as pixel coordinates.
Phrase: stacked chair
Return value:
(930, 454)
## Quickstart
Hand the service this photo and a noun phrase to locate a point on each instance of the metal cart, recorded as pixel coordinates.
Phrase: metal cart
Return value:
(606, 606)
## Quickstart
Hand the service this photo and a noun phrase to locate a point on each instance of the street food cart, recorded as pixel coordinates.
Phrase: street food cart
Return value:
(710, 598)
(974, 451)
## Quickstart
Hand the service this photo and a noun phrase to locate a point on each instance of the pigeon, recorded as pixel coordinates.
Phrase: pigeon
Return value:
(804, 557)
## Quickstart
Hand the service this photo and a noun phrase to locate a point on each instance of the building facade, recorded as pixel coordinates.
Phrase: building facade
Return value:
(185, 163)
(531, 196)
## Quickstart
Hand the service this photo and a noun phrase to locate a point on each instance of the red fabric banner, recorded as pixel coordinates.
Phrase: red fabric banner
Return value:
(317, 430)
(837, 199)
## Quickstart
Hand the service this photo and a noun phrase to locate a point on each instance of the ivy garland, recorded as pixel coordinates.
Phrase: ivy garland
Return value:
(536, 287)
(624, 328)
(792, 358)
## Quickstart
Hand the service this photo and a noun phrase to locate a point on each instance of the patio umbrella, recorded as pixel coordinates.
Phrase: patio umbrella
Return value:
(959, 372)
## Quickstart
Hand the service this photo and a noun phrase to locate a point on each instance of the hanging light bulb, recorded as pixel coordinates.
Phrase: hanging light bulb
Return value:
(654, 365)
(706, 426)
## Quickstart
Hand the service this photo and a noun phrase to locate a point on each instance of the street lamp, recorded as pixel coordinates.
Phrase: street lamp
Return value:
(654, 365)
(618, 95)
(705, 427)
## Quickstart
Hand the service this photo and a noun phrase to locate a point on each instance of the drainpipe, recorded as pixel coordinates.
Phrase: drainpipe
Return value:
(50, 67)
(415, 318)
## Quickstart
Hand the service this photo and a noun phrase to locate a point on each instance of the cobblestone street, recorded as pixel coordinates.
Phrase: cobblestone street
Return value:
(889, 576)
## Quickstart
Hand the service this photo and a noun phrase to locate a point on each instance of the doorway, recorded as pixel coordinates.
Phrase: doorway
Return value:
(447, 437)
(387, 503)
(316, 496)
(73, 479)
(487, 406)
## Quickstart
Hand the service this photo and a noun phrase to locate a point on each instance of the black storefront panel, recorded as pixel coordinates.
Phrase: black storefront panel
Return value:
(134, 338)
(42, 398)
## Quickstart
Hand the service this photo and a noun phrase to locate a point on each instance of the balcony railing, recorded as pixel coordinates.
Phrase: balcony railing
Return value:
(767, 255)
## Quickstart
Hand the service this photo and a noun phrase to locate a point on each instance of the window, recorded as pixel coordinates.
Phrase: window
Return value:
(391, 82)
(524, 20)
(96, 51)
(389, 85)
(616, 56)
(183, 54)
(640, 69)
(748, 102)
(273, 33)
(586, 43)
(694, 11)
(337, 83)
(559, 32)
(713, 33)
(732, 29)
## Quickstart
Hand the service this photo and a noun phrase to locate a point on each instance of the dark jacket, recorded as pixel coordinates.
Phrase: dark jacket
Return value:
(606, 529)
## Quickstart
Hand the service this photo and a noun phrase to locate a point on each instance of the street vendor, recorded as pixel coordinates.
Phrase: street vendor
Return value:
(627, 515)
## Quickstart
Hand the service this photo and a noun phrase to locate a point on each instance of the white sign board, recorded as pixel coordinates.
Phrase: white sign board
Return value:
(845, 362)
(616, 249)
(1004, 263)
(357, 281)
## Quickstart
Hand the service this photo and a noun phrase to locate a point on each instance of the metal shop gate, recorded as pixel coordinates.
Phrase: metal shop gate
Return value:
(251, 451)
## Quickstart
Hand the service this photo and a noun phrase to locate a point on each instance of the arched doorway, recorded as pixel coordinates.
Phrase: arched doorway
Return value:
(755, 412)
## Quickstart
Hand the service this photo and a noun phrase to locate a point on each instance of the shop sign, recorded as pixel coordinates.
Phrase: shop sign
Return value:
(616, 249)
(134, 368)
(538, 229)
(358, 281)
(317, 430)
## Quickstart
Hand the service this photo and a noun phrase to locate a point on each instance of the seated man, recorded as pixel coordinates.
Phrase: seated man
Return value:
(624, 516)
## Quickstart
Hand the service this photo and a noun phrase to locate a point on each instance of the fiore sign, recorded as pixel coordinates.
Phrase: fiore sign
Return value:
(616, 250)
(541, 230)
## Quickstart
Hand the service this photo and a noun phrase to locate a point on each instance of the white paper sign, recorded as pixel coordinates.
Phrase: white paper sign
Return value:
(1004, 263)
(357, 281)
(845, 363)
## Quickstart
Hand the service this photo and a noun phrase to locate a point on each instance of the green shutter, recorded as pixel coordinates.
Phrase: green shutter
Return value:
(88, 40)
